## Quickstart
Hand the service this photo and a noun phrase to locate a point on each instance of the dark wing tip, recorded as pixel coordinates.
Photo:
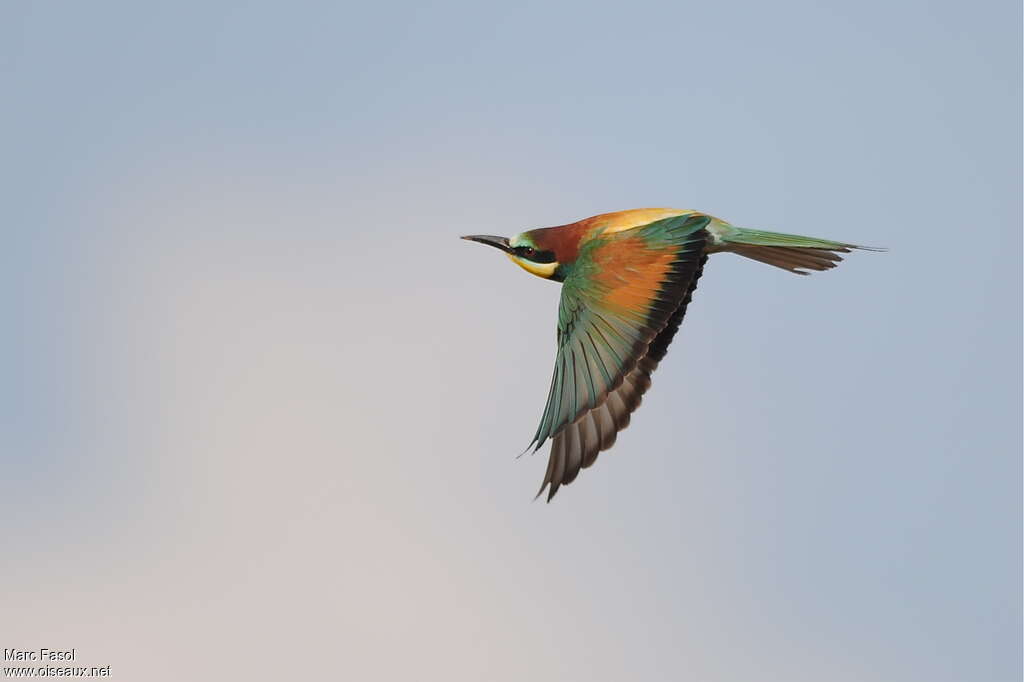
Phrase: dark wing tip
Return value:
(551, 491)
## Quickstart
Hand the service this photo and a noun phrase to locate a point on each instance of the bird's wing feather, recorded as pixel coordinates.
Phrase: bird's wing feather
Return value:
(619, 309)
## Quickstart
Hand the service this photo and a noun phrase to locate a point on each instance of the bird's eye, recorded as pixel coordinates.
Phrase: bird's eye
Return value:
(528, 251)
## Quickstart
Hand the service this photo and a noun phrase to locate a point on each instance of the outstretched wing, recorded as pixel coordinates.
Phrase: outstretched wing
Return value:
(620, 308)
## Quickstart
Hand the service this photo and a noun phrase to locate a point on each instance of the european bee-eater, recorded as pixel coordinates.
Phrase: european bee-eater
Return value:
(627, 278)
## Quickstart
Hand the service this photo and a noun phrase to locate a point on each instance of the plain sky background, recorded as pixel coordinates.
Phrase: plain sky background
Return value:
(260, 407)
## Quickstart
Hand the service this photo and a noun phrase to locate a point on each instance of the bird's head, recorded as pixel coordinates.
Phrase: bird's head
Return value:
(547, 252)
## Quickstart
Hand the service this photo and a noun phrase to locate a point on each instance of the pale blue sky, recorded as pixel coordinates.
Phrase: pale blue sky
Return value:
(257, 394)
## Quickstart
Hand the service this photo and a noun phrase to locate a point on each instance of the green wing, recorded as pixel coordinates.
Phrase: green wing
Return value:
(620, 308)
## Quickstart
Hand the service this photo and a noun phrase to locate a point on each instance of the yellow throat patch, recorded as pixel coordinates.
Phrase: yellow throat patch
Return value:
(545, 270)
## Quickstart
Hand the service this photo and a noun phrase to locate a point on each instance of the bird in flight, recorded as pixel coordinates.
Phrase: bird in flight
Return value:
(627, 278)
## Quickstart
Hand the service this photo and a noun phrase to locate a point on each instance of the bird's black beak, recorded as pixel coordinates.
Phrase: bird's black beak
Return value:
(496, 242)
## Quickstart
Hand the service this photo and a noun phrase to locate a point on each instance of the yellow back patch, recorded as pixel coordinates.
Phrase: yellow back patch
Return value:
(621, 221)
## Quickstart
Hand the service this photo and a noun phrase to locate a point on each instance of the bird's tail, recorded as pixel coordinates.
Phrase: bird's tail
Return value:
(787, 251)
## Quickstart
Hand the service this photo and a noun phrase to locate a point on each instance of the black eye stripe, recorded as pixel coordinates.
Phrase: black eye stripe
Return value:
(531, 254)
